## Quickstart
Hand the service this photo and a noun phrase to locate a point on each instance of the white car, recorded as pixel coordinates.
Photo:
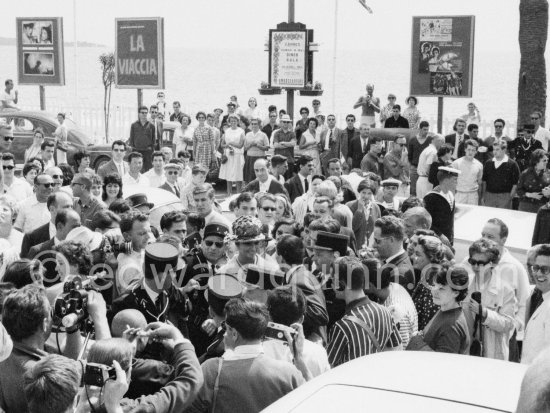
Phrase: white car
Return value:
(163, 200)
(410, 381)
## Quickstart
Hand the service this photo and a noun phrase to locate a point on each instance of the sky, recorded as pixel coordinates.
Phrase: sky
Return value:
(244, 24)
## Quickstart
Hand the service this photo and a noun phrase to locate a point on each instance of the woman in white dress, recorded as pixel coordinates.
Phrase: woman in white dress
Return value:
(183, 136)
(309, 143)
(232, 146)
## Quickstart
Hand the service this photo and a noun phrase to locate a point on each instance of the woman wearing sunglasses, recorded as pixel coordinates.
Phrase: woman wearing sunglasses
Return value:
(498, 301)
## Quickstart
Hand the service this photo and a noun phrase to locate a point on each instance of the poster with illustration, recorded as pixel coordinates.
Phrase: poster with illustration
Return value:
(40, 57)
(442, 56)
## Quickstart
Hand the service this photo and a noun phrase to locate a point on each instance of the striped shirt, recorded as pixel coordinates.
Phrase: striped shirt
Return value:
(403, 311)
(348, 340)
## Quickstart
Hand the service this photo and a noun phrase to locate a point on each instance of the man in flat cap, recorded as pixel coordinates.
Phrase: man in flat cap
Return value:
(389, 199)
(171, 172)
(440, 202)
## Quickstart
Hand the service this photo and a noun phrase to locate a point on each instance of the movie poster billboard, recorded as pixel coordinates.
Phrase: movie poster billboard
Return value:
(442, 56)
(139, 54)
(40, 48)
(288, 58)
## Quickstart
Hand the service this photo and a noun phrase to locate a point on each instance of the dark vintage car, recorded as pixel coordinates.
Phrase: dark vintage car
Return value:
(23, 124)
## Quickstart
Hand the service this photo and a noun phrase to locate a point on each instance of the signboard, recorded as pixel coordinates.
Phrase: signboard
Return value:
(40, 58)
(442, 56)
(287, 58)
(139, 55)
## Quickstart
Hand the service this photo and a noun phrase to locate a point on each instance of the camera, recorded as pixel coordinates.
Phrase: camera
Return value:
(97, 374)
(71, 307)
(276, 331)
(476, 296)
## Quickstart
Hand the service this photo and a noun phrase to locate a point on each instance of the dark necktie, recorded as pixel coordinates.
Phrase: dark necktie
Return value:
(330, 136)
(536, 301)
(306, 183)
(177, 191)
(158, 304)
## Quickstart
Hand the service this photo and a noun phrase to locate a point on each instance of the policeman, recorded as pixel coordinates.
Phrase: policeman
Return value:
(221, 289)
(202, 262)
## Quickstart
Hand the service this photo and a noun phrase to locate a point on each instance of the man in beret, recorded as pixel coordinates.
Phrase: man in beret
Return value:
(202, 263)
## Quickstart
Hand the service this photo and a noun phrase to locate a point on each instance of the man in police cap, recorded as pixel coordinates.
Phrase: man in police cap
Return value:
(389, 199)
(201, 264)
(221, 288)
(156, 296)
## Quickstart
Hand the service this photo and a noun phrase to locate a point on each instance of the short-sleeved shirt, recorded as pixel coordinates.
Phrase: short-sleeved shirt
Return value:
(348, 340)
(88, 211)
(32, 214)
(281, 136)
(471, 173)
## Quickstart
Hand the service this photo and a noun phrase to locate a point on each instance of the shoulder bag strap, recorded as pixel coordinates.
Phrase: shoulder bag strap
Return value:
(216, 385)
(365, 327)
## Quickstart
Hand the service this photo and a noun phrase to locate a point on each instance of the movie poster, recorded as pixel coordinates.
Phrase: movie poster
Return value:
(40, 51)
(442, 56)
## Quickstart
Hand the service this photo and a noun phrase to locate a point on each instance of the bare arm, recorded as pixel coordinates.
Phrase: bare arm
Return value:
(359, 103)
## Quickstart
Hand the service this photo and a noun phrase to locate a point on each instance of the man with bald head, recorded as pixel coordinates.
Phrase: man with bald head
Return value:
(369, 105)
(57, 176)
(33, 211)
(264, 182)
(55, 202)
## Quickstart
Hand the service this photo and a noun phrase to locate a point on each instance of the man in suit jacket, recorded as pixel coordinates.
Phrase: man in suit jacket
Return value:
(359, 146)
(299, 183)
(291, 250)
(264, 182)
(171, 171)
(65, 221)
(116, 165)
(457, 139)
(56, 202)
(330, 143)
(348, 134)
(389, 233)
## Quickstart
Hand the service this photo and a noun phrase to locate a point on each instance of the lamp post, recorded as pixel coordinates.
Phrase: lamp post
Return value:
(290, 92)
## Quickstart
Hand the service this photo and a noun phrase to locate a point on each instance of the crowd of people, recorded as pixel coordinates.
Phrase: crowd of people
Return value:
(340, 250)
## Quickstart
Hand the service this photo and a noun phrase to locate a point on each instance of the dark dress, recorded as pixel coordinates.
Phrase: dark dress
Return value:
(530, 181)
(425, 307)
(448, 332)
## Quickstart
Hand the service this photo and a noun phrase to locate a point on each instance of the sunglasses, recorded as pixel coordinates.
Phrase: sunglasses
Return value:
(544, 270)
(267, 209)
(57, 176)
(143, 113)
(474, 263)
(534, 118)
(8, 167)
(402, 144)
(9, 138)
(48, 185)
(210, 243)
(171, 172)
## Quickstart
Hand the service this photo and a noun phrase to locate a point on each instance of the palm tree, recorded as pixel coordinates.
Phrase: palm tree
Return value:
(107, 61)
(533, 32)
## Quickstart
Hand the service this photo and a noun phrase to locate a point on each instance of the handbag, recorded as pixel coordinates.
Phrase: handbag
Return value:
(214, 171)
(224, 159)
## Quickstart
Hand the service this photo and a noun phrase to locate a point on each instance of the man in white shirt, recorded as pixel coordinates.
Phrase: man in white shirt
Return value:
(427, 157)
(537, 331)
(47, 150)
(133, 176)
(33, 211)
(9, 97)
(203, 195)
(155, 175)
(468, 188)
(264, 182)
(513, 273)
(17, 188)
(61, 133)
(135, 228)
(541, 134)
(287, 306)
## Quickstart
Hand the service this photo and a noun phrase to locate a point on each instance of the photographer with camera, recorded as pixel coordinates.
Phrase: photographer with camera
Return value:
(287, 307)
(52, 386)
(173, 397)
(244, 379)
(26, 315)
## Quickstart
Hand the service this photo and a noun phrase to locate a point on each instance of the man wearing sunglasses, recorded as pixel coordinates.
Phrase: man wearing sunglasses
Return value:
(171, 173)
(6, 137)
(57, 176)
(33, 211)
(396, 165)
(116, 164)
(202, 263)
(17, 188)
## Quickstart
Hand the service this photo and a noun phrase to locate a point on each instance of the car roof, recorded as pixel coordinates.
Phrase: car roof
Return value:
(28, 113)
(162, 199)
(451, 377)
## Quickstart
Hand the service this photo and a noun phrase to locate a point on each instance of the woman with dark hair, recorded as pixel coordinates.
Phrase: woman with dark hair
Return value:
(411, 113)
(34, 150)
(447, 331)
(427, 254)
(112, 189)
(72, 258)
(491, 299)
(30, 171)
(68, 173)
(46, 35)
(183, 135)
(285, 226)
(309, 145)
(24, 272)
(39, 163)
(204, 142)
(533, 183)
(81, 161)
